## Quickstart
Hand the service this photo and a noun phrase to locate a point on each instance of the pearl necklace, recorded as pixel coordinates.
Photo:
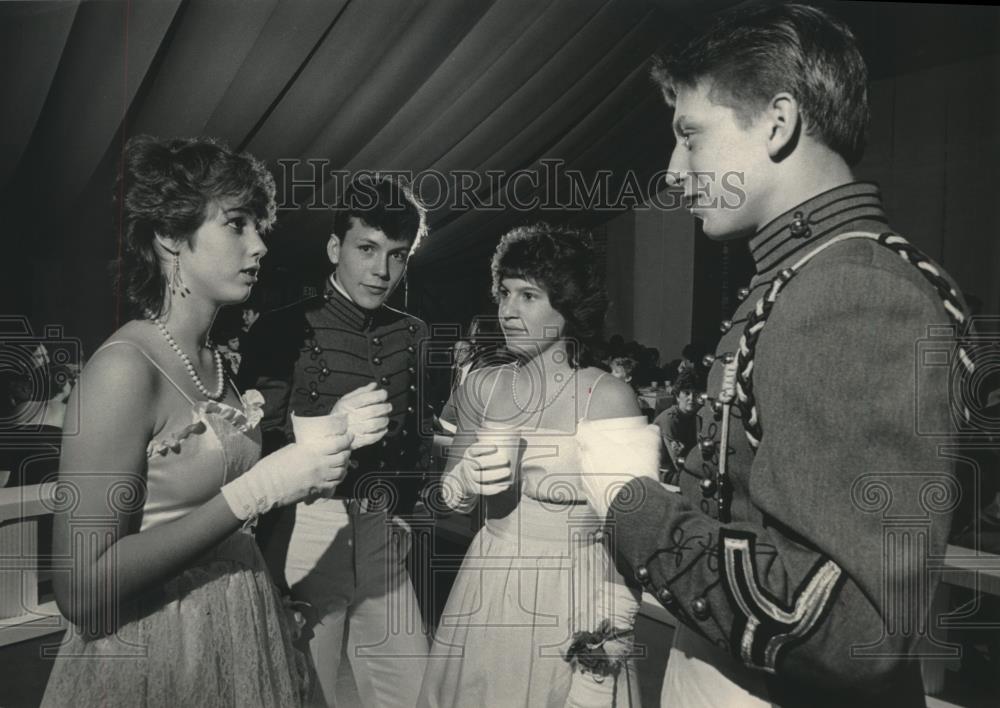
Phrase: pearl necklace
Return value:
(546, 403)
(219, 376)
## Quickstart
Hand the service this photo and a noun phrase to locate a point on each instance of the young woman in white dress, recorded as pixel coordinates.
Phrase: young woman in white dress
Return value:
(538, 615)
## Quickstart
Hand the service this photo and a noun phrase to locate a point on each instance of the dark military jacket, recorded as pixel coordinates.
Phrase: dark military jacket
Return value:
(305, 356)
(807, 560)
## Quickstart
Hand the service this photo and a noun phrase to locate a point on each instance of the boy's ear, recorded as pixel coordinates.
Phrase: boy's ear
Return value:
(333, 249)
(783, 121)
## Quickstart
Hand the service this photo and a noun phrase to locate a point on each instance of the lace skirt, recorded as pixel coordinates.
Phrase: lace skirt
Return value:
(215, 635)
(528, 582)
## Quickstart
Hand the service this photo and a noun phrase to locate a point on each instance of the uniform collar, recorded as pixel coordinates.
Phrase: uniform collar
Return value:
(856, 206)
(338, 287)
(340, 305)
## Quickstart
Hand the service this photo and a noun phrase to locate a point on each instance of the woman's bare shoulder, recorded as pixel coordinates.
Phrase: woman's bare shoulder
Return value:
(610, 397)
(122, 363)
(117, 399)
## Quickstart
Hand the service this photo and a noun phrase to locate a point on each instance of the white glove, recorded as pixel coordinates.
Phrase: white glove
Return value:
(289, 475)
(613, 452)
(367, 413)
(484, 470)
(618, 606)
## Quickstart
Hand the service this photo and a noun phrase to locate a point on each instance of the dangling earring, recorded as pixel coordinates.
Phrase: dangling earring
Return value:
(177, 285)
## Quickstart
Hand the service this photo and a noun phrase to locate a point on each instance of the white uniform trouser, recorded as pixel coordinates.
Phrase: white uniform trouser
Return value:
(350, 565)
(701, 675)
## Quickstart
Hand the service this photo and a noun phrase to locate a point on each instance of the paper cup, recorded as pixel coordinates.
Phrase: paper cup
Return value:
(507, 441)
(312, 428)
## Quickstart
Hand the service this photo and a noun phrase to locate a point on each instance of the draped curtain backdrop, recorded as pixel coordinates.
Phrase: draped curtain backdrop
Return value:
(508, 87)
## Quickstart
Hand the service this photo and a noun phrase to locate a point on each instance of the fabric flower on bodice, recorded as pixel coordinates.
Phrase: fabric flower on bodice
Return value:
(172, 442)
(244, 421)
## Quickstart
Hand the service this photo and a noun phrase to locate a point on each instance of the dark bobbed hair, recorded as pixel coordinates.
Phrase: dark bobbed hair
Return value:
(752, 52)
(563, 262)
(689, 380)
(383, 203)
(167, 187)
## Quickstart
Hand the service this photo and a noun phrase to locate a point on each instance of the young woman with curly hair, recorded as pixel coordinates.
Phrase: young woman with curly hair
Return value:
(169, 598)
(537, 585)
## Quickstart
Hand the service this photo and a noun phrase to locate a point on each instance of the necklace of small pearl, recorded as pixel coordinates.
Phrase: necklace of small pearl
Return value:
(545, 403)
(220, 389)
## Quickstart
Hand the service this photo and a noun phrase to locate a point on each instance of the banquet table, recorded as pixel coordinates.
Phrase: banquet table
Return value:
(658, 400)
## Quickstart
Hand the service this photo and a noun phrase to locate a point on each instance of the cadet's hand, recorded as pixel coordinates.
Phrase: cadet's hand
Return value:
(367, 413)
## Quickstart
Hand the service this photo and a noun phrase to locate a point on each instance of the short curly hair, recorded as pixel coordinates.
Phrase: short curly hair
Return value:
(167, 187)
(563, 262)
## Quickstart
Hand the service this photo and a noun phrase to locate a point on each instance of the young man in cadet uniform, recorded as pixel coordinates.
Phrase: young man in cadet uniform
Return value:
(346, 351)
(777, 557)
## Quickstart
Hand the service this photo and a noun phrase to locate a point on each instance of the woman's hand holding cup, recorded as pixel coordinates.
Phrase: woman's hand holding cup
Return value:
(486, 468)
(330, 436)
(492, 461)
(314, 464)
